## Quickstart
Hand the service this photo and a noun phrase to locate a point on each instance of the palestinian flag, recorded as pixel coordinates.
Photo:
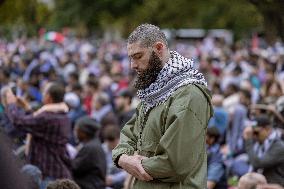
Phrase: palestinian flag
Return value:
(54, 36)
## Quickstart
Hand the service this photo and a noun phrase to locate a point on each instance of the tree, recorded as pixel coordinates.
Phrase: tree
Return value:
(273, 17)
(89, 14)
(24, 15)
(239, 16)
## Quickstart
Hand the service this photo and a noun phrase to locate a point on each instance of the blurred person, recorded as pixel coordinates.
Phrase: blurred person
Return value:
(234, 77)
(34, 175)
(29, 92)
(279, 114)
(254, 78)
(169, 127)
(238, 120)
(216, 171)
(49, 129)
(251, 180)
(273, 90)
(10, 176)
(90, 89)
(274, 111)
(123, 101)
(75, 108)
(89, 166)
(231, 97)
(220, 117)
(78, 90)
(215, 88)
(6, 126)
(63, 184)
(73, 79)
(67, 65)
(75, 111)
(115, 177)
(108, 86)
(4, 76)
(265, 149)
(238, 65)
(255, 94)
(102, 112)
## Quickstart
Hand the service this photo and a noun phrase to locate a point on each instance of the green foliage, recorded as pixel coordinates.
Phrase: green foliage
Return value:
(23, 16)
(86, 16)
(90, 14)
(239, 16)
(273, 17)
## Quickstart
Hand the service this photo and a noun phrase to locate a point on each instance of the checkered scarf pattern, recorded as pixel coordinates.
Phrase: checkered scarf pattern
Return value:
(176, 73)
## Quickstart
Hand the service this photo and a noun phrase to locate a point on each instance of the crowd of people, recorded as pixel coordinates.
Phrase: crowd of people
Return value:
(63, 106)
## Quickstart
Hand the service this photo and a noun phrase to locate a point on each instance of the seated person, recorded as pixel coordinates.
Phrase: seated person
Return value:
(216, 174)
(265, 149)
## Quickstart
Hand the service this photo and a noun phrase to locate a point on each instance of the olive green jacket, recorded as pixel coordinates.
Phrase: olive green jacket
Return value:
(173, 139)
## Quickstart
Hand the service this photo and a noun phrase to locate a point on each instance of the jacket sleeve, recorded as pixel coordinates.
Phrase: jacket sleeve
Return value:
(181, 150)
(25, 122)
(128, 140)
(274, 156)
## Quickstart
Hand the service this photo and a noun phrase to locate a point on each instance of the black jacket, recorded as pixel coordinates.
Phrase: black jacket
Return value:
(272, 161)
(89, 166)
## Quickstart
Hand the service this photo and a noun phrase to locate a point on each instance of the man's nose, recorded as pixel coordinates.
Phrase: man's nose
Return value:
(133, 65)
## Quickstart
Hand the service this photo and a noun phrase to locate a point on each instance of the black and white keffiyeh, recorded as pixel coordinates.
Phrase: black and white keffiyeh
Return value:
(176, 73)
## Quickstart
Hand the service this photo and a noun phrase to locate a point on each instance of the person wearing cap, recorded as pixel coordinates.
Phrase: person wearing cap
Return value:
(89, 165)
(123, 101)
(265, 149)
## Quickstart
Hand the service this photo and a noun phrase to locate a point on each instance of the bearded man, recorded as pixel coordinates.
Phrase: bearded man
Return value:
(163, 144)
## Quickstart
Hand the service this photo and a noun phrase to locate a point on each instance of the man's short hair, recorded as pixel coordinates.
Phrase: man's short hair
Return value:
(251, 180)
(63, 184)
(147, 34)
(93, 83)
(88, 125)
(56, 92)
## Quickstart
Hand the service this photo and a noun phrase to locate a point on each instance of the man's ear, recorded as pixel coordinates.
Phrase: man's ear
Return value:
(49, 99)
(159, 47)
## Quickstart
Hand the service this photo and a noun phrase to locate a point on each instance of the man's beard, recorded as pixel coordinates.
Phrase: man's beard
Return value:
(148, 76)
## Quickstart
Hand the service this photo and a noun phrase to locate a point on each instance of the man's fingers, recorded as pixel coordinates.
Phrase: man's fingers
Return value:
(139, 173)
(140, 157)
(144, 174)
(134, 167)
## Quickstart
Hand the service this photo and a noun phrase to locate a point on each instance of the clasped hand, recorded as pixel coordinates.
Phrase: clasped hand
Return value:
(132, 164)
